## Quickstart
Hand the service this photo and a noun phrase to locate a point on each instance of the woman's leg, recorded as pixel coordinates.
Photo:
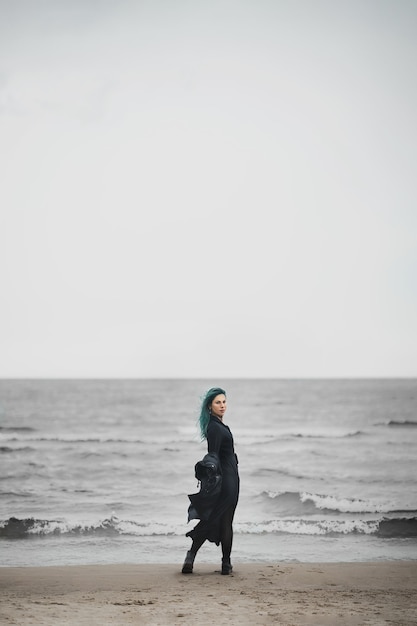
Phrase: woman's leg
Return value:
(196, 545)
(187, 568)
(226, 535)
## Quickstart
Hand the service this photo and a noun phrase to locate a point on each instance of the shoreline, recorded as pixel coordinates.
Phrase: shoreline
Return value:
(353, 593)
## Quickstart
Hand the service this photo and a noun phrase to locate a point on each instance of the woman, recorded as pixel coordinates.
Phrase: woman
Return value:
(218, 527)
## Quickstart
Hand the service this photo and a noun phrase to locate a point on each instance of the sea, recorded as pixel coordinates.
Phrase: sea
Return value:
(99, 471)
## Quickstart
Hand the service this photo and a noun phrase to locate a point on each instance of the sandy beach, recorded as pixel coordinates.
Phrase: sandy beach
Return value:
(285, 594)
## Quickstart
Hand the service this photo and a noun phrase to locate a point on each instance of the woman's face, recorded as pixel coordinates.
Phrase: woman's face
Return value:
(218, 406)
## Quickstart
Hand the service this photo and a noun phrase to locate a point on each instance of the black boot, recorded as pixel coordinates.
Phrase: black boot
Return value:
(226, 568)
(187, 568)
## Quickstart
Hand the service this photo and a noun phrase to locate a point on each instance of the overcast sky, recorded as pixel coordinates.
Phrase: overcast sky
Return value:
(221, 188)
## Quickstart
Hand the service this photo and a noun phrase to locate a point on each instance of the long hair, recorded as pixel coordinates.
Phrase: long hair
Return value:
(204, 418)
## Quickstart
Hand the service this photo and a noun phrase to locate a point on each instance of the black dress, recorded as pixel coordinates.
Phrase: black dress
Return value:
(220, 442)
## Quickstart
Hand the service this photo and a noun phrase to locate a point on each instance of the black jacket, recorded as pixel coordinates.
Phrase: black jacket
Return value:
(208, 473)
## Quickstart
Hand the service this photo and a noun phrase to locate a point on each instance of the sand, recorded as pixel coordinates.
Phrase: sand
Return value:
(287, 594)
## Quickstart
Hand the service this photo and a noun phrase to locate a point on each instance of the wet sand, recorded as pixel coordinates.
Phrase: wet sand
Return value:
(333, 594)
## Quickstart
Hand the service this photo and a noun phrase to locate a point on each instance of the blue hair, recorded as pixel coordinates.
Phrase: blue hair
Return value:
(204, 418)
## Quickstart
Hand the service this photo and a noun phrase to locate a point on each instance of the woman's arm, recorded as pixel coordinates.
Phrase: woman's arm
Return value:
(214, 438)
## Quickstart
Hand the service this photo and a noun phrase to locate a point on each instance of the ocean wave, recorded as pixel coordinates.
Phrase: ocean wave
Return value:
(113, 527)
(15, 528)
(398, 424)
(19, 494)
(397, 527)
(17, 429)
(7, 449)
(171, 444)
(356, 433)
(303, 503)
(267, 471)
(329, 435)
(311, 527)
(72, 439)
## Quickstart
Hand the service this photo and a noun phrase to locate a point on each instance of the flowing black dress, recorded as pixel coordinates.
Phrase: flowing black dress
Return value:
(220, 442)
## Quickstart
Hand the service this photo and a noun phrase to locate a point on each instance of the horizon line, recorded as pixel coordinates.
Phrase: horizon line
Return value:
(344, 377)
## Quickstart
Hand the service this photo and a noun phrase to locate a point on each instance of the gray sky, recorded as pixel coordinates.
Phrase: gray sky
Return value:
(209, 189)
